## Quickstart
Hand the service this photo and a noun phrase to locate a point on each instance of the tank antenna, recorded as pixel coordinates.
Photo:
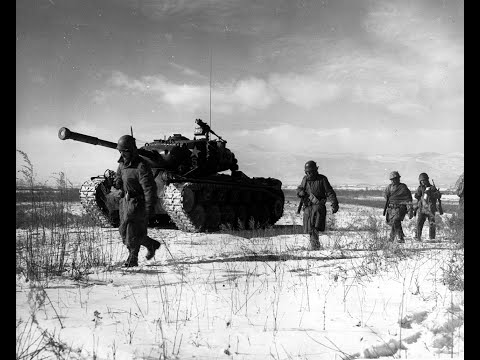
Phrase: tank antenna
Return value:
(210, 87)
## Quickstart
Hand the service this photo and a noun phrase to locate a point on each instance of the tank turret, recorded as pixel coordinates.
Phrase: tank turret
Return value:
(193, 189)
(197, 157)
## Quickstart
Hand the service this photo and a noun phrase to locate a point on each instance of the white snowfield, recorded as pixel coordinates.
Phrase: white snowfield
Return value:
(249, 295)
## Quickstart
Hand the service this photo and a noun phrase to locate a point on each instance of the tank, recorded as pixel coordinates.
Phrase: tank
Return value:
(200, 187)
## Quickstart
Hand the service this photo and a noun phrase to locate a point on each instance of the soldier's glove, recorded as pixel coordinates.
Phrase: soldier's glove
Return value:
(301, 193)
(334, 208)
(118, 183)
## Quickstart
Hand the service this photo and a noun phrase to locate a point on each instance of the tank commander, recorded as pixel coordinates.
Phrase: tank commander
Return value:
(314, 191)
(398, 202)
(137, 204)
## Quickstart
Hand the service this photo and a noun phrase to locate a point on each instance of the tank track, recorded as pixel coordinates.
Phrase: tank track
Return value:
(90, 192)
(196, 207)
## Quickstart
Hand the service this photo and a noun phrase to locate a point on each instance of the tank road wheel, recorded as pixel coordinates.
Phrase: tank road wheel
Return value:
(198, 217)
(263, 215)
(221, 197)
(188, 199)
(207, 194)
(228, 216)
(212, 217)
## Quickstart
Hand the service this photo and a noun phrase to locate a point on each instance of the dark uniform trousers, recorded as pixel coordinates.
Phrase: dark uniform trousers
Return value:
(133, 225)
(422, 216)
(314, 219)
(395, 215)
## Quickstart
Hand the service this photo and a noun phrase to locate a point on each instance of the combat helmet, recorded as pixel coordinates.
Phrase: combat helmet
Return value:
(422, 176)
(126, 142)
(393, 175)
(311, 165)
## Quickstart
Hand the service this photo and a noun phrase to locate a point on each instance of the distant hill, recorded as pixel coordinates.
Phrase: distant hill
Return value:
(359, 170)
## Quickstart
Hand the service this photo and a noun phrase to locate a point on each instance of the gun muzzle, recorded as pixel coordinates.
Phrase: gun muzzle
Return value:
(64, 134)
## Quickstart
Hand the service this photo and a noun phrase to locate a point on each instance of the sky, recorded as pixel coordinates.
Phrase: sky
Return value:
(273, 78)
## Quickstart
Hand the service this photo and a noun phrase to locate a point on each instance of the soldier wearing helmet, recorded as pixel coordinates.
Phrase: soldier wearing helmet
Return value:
(314, 191)
(399, 202)
(139, 196)
(427, 196)
(459, 188)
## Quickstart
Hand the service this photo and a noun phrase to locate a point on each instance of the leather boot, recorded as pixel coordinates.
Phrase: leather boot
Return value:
(314, 242)
(401, 235)
(418, 234)
(431, 232)
(391, 237)
(152, 247)
(132, 259)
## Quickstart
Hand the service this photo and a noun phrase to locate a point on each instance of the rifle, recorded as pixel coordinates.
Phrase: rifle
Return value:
(386, 206)
(300, 205)
(440, 208)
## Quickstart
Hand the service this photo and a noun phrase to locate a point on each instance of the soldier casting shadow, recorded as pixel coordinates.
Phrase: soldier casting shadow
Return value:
(137, 204)
(399, 202)
(427, 196)
(459, 191)
(314, 191)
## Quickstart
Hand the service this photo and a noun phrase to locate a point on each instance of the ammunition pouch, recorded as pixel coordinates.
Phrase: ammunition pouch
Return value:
(308, 201)
(398, 205)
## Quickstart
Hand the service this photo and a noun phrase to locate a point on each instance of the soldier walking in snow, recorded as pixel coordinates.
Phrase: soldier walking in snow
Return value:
(314, 191)
(139, 195)
(427, 196)
(398, 202)
(459, 192)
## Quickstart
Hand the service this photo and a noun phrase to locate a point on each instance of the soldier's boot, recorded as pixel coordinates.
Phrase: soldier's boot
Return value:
(401, 235)
(152, 246)
(391, 237)
(431, 232)
(132, 259)
(314, 242)
(418, 234)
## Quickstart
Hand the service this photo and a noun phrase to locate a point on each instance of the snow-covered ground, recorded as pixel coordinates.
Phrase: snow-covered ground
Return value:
(249, 295)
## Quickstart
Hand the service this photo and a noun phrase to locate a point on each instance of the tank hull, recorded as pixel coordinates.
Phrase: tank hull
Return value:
(207, 204)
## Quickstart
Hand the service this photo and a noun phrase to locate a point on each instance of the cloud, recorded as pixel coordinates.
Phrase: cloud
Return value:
(305, 91)
(410, 65)
(247, 94)
(293, 139)
(99, 97)
(187, 71)
(253, 93)
(429, 40)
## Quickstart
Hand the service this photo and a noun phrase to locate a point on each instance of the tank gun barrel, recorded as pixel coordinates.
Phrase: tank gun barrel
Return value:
(64, 134)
